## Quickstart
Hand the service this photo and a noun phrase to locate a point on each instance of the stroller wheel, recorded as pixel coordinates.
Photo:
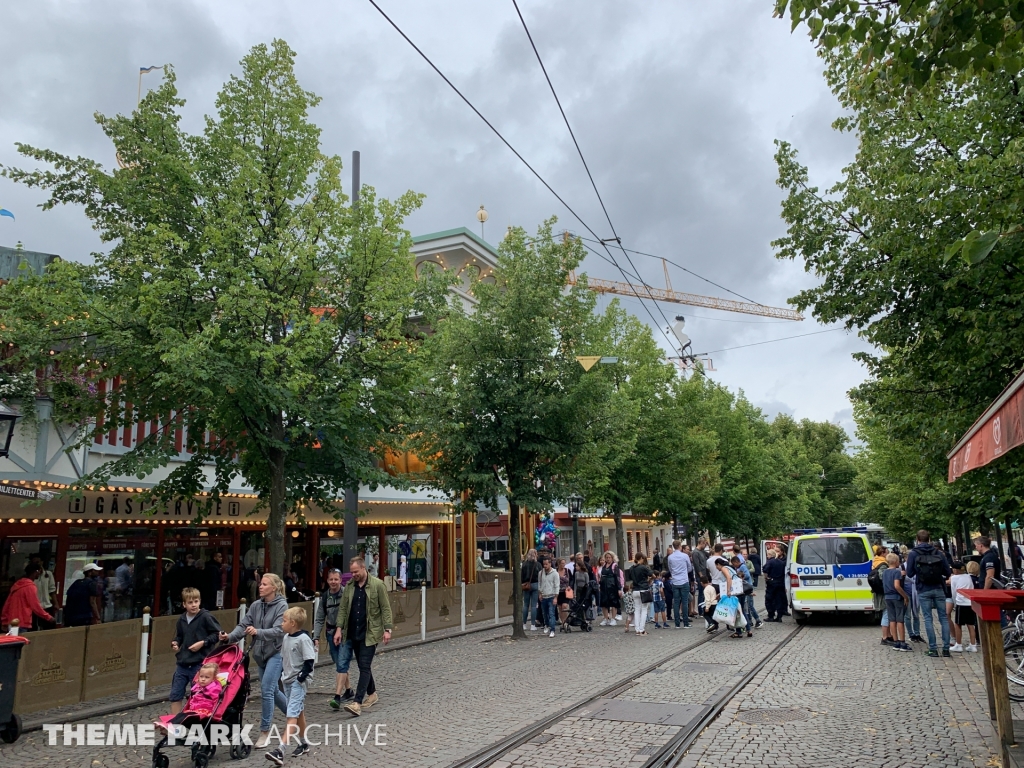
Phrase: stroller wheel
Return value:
(588, 628)
(161, 761)
(202, 760)
(244, 750)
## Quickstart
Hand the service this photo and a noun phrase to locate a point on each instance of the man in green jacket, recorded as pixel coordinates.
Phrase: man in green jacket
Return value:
(364, 618)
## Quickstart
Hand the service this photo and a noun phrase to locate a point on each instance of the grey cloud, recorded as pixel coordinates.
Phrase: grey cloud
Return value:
(675, 106)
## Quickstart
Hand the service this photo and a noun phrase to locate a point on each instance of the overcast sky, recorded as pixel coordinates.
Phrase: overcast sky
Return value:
(676, 107)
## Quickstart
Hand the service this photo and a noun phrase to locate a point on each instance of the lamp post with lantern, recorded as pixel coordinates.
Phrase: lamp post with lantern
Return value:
(575, 503)
(481, 216)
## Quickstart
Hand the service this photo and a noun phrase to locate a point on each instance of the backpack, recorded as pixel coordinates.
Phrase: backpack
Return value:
(875, 579)
(929, 568)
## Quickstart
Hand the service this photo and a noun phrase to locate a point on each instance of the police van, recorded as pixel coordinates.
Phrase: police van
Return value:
(828, 572)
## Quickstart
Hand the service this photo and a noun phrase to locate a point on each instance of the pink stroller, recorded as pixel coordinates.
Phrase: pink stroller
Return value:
(233, 671)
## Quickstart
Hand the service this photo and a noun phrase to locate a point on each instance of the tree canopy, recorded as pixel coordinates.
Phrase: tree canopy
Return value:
(242, 298)
(935, 166)
(910, 42)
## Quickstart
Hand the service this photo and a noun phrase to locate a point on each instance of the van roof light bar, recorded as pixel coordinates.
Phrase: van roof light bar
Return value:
(848, 529)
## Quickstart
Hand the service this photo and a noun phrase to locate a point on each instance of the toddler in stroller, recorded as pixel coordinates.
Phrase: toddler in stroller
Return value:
(203, 697)
(578, 608)
(217, 697)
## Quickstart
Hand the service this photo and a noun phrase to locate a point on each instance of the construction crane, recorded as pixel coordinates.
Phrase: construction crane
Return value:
(620, 288)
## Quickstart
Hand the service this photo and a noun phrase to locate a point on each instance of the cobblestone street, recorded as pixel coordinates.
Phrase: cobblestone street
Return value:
(850, 701)
(831, 697)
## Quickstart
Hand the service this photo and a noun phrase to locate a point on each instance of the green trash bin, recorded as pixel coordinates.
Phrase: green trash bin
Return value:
(10, 653)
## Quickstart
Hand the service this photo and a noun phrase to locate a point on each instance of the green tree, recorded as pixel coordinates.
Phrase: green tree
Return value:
(651, 458)
(835, 497)
(505, 409)
(932, 167)
(242, 298)
(909, 42)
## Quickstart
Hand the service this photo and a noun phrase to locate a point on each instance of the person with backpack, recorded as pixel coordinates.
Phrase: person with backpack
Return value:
(878, 568)
(928, 564)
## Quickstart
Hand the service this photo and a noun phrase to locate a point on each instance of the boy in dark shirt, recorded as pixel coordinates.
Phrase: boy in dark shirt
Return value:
(195, 635)
(896, 600)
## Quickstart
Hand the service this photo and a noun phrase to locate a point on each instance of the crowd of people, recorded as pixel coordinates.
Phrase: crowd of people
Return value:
(930, 583)
(673, 590)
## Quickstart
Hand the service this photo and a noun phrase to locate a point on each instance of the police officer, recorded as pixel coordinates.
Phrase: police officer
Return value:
(774, 571)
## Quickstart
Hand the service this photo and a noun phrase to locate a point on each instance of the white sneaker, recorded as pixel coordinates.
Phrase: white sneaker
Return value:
(614, 622)
(972, 649)
(604, 623)
(551, 633)
(618, 617)
(533, 628)
(956, 648)
(263, 742)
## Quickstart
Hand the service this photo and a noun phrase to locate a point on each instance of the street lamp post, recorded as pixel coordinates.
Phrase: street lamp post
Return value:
(7, 419)
(694, 517)
(575, 507)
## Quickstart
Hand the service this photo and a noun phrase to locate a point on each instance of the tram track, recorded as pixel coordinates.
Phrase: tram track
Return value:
(670, 753)
(674, 750)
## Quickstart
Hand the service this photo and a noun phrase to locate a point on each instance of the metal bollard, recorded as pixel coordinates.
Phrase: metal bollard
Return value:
(463, 606)
(14, 628)
(496, 610)
(423, 613)
(144, 653)
(241, 615)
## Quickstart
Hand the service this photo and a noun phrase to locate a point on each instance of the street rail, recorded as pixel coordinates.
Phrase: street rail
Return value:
(670, 754)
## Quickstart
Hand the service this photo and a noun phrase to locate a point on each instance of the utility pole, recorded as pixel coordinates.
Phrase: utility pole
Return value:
(350, 534)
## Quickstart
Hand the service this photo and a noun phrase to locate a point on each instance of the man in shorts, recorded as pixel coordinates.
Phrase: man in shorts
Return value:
(341, 650)
(896, 600)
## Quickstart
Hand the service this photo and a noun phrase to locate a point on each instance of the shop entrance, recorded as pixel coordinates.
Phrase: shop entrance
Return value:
(200, 558)
(17, 552)
(128, 559)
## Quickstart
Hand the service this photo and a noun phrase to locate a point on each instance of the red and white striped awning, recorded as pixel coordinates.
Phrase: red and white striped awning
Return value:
(993, 434)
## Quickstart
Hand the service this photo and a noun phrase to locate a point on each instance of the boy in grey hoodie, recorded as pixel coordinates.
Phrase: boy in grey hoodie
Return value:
(298, 656)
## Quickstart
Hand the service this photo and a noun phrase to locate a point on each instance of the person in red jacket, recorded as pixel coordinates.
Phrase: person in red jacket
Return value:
(23, 601)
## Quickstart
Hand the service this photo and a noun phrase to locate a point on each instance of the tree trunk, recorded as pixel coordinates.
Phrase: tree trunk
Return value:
(620, 536)
(278, 514)
(517, 564)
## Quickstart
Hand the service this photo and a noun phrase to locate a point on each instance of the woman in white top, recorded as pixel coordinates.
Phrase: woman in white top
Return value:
(963, 615)
(734, 588)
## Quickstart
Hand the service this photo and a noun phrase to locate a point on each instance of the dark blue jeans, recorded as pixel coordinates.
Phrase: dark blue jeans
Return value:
(934, 600)
(530, 604)
(681, 603)
(547, 610)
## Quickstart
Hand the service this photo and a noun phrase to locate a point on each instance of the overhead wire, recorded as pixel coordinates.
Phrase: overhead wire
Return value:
(590, 176)
(772, 341)
(690, 271)
(596, 238)
(688, 314)
(516, 153)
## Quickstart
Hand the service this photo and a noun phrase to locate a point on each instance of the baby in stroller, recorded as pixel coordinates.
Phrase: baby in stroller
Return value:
(203, 697)
(218, 694)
